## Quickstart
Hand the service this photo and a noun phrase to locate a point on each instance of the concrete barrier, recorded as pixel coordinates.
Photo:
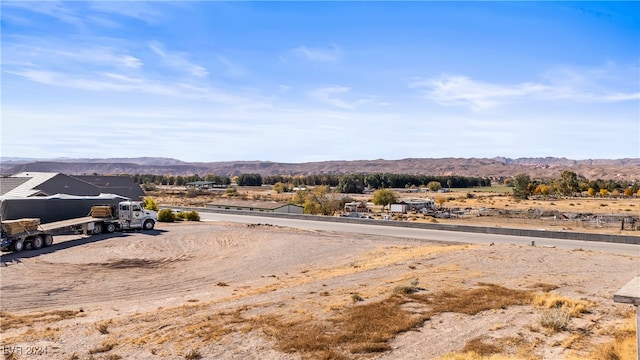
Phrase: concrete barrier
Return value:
(563, 235)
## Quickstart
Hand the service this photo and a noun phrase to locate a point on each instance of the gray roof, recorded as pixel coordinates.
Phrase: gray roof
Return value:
(117, 184)
(9, 183)
(28, 184)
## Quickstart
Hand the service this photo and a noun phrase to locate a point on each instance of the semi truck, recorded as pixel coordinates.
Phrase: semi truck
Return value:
(126, 215)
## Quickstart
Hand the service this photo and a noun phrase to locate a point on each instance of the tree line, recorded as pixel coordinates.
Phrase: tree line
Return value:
(357, 183)
(523, 186)
(178, 180)
(351, 183)
(570, 184)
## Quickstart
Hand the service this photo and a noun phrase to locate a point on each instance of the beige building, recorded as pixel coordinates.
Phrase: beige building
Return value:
(259, 206)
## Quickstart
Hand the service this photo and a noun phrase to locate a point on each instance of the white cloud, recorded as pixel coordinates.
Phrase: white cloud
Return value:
(340, 96)
(317, 54)
(587, 85)
(130, 61)
(31, 52)
(451, 90)
(178, 60)
(107, 81)
(231, 68)
(133, 9)
(56, 9)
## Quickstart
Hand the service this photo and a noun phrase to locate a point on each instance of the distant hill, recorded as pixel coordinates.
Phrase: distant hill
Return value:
(549, 167)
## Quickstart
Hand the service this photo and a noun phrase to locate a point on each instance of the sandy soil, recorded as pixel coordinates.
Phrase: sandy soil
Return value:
(197, 290)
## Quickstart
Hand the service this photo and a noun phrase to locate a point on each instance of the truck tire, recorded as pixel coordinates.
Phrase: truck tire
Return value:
(48, 240)
(97, 229)
(148, 225)
(18, 245)
(110, 228)
(37, 242)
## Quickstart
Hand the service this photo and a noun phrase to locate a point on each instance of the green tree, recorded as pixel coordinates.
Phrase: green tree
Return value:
(521, 186)
(351, 184)
(278, 187)
(250, 180)
(317, 201)
(384, 197)
(434, 185)
(568, 183)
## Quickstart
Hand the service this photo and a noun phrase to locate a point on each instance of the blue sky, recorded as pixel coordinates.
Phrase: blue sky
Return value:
(313, 81)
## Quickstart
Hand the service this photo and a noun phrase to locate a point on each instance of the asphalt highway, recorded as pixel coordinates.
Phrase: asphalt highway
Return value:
(425, 234)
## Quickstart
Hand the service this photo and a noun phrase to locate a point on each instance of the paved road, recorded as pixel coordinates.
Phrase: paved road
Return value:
(424, 234)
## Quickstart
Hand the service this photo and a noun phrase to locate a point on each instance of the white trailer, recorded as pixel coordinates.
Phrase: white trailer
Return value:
(398, 208)
(127, 215)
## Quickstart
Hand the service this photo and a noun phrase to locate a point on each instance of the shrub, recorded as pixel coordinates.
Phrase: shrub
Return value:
(103, 328)
(166, 215)
(151, 204)
(193, 355)
(555, 319)
(192, 216)
(149, 186)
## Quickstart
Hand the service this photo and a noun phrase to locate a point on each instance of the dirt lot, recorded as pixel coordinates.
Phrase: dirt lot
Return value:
(231, 291)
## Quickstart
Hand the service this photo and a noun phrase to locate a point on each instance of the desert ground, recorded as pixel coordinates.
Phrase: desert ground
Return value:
(215, 290)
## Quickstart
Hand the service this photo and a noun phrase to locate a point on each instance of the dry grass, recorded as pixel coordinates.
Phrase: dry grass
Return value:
(365, 328)
(623, 345)
(103, 327)
(192, 355)
(105, 346)
(369, 327)
(480, 347)
(545, 287)
(474, 356)
(10, 321)
(555, 319)
(575, 308)
(473, 301)
(620, 349)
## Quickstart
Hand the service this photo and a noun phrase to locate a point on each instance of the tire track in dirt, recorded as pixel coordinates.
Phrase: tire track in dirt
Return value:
(142, 268)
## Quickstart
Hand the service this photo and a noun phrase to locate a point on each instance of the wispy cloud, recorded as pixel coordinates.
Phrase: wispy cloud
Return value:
(122, 83)
(340, 96)
(55, 9)
(24, 51)
(178, 60)
(82, 15)
(139, 10)
(231, 68)
(317, 54)
(594, 85)
(453, 90)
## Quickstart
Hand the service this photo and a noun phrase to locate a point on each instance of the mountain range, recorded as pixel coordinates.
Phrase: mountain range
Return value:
(499, 167)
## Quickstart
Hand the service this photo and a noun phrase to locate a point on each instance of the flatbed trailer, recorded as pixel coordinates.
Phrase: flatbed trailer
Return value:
(128, 215)
(43, 235)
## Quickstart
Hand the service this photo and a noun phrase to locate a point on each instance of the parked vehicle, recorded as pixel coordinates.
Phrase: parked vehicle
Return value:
(107, 218)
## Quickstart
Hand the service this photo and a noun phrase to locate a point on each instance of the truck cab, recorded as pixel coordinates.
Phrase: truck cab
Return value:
(133, 215)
